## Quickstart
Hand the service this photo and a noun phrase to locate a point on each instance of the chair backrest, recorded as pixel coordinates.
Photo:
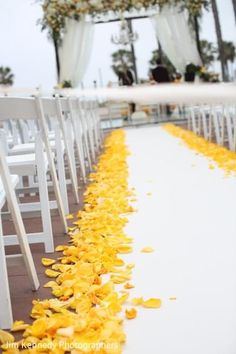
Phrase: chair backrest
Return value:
(18, 108)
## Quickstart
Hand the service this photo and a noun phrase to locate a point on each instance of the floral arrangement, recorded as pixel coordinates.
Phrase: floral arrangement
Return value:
(56, 11)
(208, 76)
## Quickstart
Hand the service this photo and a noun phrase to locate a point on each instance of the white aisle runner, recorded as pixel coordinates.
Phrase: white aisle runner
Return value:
(190, 221)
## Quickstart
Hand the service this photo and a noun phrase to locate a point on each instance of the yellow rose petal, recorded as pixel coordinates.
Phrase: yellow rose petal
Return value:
(38, 328)
(69, 217)
(125, 249)
(52, 273)
(47, 261)
(6, 337)
(65, 332)
(128, 286)
(152, 303)
(130, 313)
(60, 248)
(147, 250)
(50, 284)
(19, 326)
(137, 301)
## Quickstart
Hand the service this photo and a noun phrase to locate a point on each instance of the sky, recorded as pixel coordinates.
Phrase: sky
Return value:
(30, 53)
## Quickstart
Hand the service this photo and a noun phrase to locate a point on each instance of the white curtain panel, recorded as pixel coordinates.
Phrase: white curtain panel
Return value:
(176, 37)
(75, 50)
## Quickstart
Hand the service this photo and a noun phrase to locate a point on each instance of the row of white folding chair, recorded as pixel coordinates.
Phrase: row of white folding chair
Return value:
(34, 160)
(26, 108)
(7, 184)
(88, 110)
(219, 121)
(86, 127)
(58, 148)
(52, 107)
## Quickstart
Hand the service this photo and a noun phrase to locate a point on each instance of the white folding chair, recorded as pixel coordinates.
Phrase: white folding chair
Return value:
(58, 148)
(7, 193)
(78, 135)
(31, 165)
(87, 127)
(52, 107)
(28, 109)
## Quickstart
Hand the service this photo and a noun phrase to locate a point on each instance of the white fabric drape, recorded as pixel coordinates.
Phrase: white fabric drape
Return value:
(176, 37)
(75, 50)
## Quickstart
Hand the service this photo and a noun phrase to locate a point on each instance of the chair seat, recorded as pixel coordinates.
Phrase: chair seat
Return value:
(24, 165)
(14, 180)
(29, 148)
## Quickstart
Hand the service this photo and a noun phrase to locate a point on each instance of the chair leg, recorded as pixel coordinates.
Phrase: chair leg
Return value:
(61, 169)
(70, 166)
(43, 195)
(76, 126)
(72, 150)
(18, 223)
(91, 140)
(52, 168)
(85, 140)
(5, 303)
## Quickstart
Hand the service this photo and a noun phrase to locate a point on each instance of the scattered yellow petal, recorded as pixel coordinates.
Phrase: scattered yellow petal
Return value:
(69, 217)
(128, 286)
(220, 155)
(137, 301)
(124, 249)
(147, 250)
(38, 328)
(50, 284)
(86, 306)
(47, 261)
(152, 303)
(60, 248)
(52, 273)
(149, 194)
(123, 298)
(130, 313)
(130, 266)
(19, 326)
(119, 279)
(65, 332)
(6, 337)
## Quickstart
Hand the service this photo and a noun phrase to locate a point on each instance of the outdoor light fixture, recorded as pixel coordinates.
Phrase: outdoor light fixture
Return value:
(125, 36)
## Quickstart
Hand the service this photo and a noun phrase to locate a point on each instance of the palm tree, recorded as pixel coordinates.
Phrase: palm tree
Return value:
(122, 60)
(234, 6)
(6, 76)
(219, 40)
(230, 53)
(209, 52)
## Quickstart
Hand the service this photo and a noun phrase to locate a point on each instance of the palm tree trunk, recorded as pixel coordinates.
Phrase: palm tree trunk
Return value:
(55, 42)
(129, 21)
(219, 40)
(197, 32)
(234, 6)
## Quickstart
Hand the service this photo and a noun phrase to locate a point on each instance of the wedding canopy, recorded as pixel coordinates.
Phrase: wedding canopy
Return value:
(72, 28)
